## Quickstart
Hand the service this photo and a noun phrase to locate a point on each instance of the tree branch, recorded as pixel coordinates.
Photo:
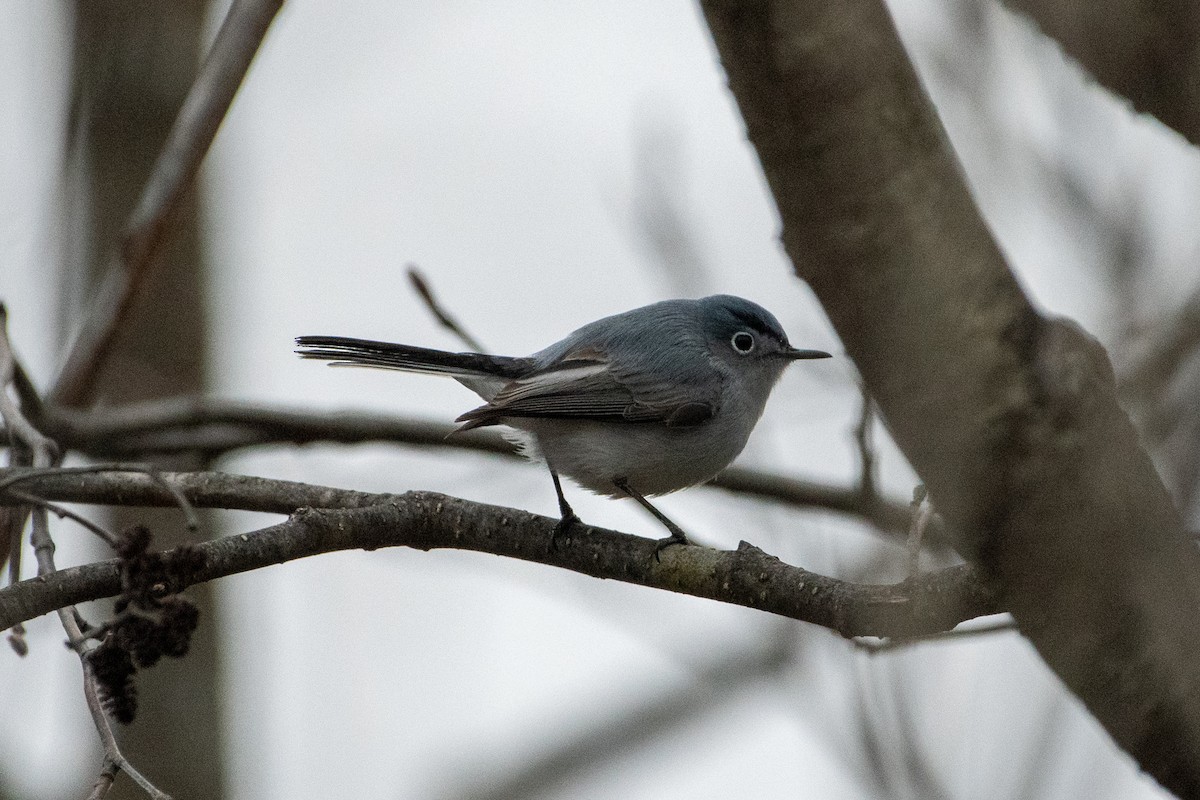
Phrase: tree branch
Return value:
(45, 452)
(1148, 53)
(201, 115)
(421, 286)
(216, 427)
(334, 519)
(1010, 419)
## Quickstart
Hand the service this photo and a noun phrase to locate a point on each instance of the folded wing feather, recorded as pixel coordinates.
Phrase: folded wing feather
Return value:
(589, 389)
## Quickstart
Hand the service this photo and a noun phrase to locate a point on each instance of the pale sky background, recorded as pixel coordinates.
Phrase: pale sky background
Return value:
(513, 150)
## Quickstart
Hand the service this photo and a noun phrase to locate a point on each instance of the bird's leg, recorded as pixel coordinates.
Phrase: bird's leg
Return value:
(677, 535)
(566, 513)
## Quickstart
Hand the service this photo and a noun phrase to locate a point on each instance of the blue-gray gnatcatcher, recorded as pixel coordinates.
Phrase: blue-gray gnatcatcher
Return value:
(641, 403)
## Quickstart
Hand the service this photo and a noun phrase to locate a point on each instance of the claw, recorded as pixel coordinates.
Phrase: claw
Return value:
(675, 538)
(563, 529)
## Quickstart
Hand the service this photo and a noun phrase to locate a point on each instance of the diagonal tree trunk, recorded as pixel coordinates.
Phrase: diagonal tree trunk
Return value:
(1009, 417)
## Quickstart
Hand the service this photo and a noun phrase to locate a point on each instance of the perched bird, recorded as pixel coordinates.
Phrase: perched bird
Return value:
(637, 404)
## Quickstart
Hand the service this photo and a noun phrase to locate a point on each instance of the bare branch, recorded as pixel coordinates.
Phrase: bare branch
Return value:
(22, 432)
(104, 781)
(421, 286)
(1010, 418)
(23, 439)
(216, 427)
(114, 759)
(866, 447)
(1147, 52)
(15, 477)
(61, 512)
(213, 426)
(332, 519)
(44, 453)
(922, 514)
(202, 112)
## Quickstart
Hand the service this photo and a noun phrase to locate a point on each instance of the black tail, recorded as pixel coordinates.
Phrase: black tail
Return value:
(344, 351)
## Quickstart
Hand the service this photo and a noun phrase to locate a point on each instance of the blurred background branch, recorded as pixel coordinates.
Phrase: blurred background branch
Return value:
(1148, 53)
(212, 427)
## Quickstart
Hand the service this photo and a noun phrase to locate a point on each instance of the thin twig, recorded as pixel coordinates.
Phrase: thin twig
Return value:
(174, 172)
(39, 450)
(866, 448)
(450, 323)
(110, 538)
(131, 611)
(189, 512)
(12, 520)
(104, 781)
(79, 620)
(922, 512)
(190, 519)
(113, 757)
(44, 454)
(43, 549)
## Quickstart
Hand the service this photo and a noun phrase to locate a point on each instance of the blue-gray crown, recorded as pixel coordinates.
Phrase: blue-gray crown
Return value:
(728, 313)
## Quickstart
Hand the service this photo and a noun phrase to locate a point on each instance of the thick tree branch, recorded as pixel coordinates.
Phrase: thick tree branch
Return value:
(334, 519)
(1148, 53)
(1010, 419)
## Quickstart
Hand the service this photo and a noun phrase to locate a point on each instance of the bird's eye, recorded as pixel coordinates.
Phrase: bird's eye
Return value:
(742, 342)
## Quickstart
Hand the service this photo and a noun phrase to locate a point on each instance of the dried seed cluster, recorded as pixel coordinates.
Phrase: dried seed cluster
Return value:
(151, 621)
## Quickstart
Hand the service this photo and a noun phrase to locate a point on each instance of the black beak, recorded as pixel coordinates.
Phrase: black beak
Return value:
(792, 354)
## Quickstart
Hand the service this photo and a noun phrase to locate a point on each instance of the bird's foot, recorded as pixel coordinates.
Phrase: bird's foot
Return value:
(563, 529)
(677, 537)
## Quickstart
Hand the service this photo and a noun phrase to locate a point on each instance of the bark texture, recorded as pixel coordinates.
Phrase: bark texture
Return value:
(324, 519)
(1010, 418)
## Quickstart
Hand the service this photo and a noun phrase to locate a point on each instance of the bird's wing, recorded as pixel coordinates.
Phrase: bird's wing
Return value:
(590, 388)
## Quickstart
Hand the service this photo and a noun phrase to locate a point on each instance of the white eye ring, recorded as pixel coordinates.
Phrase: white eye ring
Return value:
(742, 342)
